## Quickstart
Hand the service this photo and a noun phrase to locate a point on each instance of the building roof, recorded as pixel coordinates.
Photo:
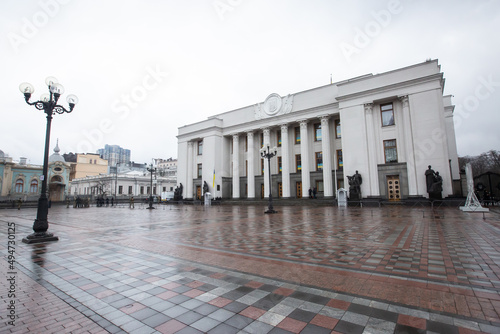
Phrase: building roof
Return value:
(56, 156)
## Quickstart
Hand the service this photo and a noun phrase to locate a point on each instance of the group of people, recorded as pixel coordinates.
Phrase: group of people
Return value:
(313, 192)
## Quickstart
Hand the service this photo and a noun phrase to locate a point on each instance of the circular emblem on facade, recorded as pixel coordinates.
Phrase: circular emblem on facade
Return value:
(272, 105)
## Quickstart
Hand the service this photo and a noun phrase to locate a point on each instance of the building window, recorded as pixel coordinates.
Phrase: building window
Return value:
(280, 167)
(199, 171)
(319, 161)
(262, 165)
(338, 132)
(142, 190)
(387, 113)
(246, 167)
(298, 163)
(390, 151)
(340, 160)
(200, 147)
(278, 137)
(246, 143)
(130, 190)
(297, 135)
(261, 140)
(317, 132)
(154, 190)
(19, 186)
(120, 190)
(34, 186)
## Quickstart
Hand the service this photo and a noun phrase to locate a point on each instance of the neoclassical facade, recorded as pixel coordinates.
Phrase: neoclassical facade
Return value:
(388, 127)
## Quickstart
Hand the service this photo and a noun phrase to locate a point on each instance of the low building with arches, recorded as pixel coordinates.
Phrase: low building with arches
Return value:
(22, 180)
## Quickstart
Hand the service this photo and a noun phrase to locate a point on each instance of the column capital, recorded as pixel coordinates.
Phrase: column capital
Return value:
(250, 134)
(266, 131)
(303, 123)
(369, 107)
(236, 136)
(404, 100)
(324, 119)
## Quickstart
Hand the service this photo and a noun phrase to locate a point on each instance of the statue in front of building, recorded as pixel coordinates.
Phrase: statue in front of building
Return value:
(178, 193)
(205, 187)
(434, 183)
(355, 186)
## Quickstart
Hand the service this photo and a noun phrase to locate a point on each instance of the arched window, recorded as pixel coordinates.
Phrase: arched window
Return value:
(34, 186)
(19, 186)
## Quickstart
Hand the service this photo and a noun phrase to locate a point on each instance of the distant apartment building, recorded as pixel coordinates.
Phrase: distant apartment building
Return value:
(167, 167)
(114, 154)
(88, 164)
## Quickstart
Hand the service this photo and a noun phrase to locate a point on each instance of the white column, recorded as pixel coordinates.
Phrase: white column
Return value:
(251, 163)
(236, 166)
(304, 157)
(327, 158)
(267, 178)
(410, 151)
(372, 151)
(285, 161)
(188, 188)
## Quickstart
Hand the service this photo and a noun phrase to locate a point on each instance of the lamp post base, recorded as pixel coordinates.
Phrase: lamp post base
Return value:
(39, 237)
(271, 211)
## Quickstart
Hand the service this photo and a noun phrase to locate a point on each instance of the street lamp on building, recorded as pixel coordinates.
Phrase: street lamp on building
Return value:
(151, 170)
(268, 155)
(47, 103)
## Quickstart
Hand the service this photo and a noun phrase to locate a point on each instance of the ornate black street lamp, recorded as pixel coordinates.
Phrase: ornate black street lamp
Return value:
(268, 155)
(47, 103)
(151, 170)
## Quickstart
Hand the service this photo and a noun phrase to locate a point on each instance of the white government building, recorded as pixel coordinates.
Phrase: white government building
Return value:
(389, 127)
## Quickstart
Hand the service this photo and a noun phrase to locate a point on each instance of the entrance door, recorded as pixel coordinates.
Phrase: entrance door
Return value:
(198, 192)
(280, 189)
(393, 188)
(299, 189)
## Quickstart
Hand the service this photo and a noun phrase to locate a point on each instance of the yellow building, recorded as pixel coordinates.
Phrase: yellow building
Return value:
(88, 164)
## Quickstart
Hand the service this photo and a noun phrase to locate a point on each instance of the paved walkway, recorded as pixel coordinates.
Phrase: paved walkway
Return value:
(233, 269)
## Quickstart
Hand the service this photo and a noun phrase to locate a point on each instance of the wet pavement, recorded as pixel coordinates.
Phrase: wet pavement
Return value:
(233, 269)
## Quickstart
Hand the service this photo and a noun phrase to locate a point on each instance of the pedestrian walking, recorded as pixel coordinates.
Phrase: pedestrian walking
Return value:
(112, 201)
(19, 203)
(131, 205)
(310, 193)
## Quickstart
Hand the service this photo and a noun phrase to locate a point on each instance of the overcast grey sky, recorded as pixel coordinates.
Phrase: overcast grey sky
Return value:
(141, 69)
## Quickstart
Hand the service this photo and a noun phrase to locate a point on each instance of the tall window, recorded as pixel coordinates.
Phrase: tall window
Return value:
(19, 186)
(278, 137)
(149, 190)
(142, 190)
(200, 147)
(34, 186)
(261, 140)
(120, 190)
(298, 163)
(262, 165)
(280, 167)
(387, 113)
(130, 190)
(340, 160)
(297, 135)
(338, 132)
(199, 171)
(390, 151)
(154, 190)
(317, 132)
(246, 143)
(319, 161)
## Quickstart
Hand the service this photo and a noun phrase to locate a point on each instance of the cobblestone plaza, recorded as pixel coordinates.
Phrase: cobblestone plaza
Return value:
(233, 269)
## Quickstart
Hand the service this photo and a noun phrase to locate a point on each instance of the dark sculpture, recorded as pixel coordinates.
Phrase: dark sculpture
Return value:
(355, 186)
(434, 183)
(178, 193)
(205, 187)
